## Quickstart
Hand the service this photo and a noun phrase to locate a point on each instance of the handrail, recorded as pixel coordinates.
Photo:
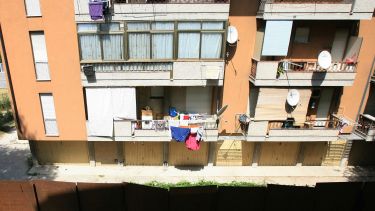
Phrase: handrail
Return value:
(172, 1)
(365, 123)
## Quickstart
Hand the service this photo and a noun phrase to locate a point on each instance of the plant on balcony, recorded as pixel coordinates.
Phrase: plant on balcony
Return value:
(280, 70)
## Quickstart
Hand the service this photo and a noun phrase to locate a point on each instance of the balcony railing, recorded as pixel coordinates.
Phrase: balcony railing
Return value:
(173, 1)
(366, 127)
(309, 1)
(131, 66)
(332, 123)
(290, 65)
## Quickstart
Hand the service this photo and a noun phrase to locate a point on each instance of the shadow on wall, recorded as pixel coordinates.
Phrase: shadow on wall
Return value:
(243, 8)
(90, 196)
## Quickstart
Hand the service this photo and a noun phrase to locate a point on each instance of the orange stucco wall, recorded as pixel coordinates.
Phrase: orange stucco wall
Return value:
(352, 96)
(236, 83)
(58, 24)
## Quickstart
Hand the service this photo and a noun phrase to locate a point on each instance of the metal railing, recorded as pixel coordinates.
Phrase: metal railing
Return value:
(309, 1)
(162, 125)
(131, 66)
(365, 123)
(302, 66)
(173, 1)
(332, 123)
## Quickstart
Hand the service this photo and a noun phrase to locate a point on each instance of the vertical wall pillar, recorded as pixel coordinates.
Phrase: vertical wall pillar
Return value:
(91, 153)
(301, 154)
(211, 153)
(256, 154)
(120, 153)
(165, 153)
(33, 153)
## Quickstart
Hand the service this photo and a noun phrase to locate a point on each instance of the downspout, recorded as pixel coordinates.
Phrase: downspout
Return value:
(10, 85)
(352, 8)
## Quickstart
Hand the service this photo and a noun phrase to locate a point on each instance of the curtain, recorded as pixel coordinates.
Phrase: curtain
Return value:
(42, 71)
(87, 27)
(40, 55)
(188, 45)
(139, 45)
(211, 45)
(138, 26)
(124, 103)
(189, 26)
(212, 25)
(162, 46)
(110, 27)
(112, 47)
(90, 47)
(99, 111)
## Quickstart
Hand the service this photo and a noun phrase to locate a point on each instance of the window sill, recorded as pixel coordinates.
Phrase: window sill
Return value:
(43, 80)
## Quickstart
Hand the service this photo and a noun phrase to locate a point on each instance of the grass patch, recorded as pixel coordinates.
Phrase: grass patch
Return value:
(201, 183)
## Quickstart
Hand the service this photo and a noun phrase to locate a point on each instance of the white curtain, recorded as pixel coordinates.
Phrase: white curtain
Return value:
(33, 8)
(110, 27)
(188, 45)
(138, 26)
(38, 43)
(112, 47)
(99, 111)
(162, 43)
(139, 45)
(87, 27)
(213, 25)
(124, 103)
(211, 45)
(189, 26)
(90, 47)
(162, 46)
(49, 115)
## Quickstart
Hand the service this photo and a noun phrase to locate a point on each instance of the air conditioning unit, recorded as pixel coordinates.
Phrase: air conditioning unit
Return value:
(88, 70)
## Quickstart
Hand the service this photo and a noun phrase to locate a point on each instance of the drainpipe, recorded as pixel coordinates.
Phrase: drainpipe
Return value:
(352, 8)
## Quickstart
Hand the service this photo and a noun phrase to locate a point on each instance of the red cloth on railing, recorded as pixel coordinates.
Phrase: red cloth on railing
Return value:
(192, 143)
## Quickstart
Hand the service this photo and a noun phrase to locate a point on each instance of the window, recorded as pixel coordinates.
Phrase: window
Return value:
(302, 35)
(32, 8)
(200, 40)
(49, 116)
(151, 40)
(38, 43)
(100, 42)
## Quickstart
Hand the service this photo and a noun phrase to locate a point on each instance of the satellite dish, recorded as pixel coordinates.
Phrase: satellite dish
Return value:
(324, 59)
(232, 35)
(293, 97)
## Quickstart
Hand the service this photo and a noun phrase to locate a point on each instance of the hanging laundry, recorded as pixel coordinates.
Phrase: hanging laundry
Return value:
(180, 134)
(200, 132)
(192, 143)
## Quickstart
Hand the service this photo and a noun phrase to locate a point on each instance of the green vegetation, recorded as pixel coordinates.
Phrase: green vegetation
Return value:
(6, 116)
(201, 183)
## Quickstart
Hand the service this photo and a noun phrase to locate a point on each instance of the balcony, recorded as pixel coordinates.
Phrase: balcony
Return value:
(314, 10)
(173, 1)
(160, 10)
(158, 130)
(155, 74)
(373, 78)
(279, 131)
(301, 73)
(366, 127)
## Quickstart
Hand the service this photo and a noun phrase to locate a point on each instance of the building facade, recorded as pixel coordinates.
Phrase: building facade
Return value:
(118, 82)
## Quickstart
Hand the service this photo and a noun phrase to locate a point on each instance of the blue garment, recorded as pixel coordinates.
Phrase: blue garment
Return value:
(180, 134)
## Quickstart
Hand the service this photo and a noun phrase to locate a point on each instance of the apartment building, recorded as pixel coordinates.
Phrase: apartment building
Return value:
(118, 82)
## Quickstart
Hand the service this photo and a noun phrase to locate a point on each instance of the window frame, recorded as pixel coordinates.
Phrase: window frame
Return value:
(46, 119)
(33, 53)
(175, 33)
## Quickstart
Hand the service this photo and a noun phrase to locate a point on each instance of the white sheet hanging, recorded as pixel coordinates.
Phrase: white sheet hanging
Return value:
(99, 106)
(124, 103)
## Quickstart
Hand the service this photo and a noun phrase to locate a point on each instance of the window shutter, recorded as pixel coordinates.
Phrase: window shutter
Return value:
(49, 115)
(33, 8)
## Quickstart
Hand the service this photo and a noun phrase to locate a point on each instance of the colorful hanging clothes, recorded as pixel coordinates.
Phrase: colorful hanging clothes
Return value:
(180, 134)
(192, 143)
